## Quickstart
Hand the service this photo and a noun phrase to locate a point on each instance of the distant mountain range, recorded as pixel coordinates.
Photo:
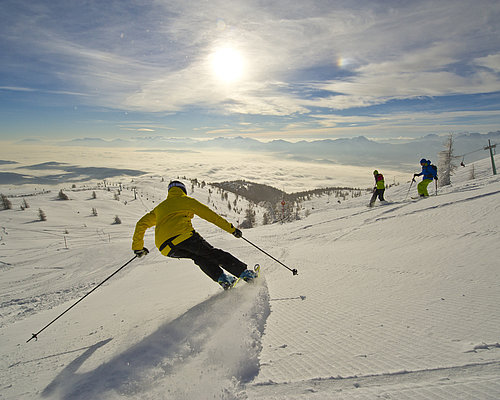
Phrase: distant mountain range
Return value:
(359, 150)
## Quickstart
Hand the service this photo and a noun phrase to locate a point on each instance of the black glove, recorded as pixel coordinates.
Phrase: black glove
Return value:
(415, 175)
(436, 178)
(237, 233)
(140, 253)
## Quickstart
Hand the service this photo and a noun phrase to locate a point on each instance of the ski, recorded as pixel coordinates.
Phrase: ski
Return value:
(381, 203)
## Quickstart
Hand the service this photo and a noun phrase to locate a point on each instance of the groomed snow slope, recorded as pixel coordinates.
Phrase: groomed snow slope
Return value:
(397, 302)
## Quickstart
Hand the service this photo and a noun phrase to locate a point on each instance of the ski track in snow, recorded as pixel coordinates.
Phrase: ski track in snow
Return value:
(418, 367)
(426, 209)
(444, 382)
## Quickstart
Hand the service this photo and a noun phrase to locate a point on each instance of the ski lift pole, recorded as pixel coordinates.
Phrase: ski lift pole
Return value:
(35, 335)
(490, 147)
(293, 271)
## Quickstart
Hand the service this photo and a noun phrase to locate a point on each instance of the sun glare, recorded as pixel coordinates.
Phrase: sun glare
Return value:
(227, 64)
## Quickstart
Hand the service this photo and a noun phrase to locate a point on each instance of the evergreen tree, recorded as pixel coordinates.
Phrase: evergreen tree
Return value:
(7, 205)
(265, 219)
(62, 195)
(249, 221)
(42, 215)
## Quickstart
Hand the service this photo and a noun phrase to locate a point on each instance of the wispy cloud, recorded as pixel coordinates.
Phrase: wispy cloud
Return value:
(17, 89)
(33, 90)
(301, 60)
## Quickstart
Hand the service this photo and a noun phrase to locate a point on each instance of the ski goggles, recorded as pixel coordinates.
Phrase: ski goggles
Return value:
(177, 184)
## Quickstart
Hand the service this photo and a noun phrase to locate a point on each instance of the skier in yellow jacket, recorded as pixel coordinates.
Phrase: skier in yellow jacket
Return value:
(175, 236)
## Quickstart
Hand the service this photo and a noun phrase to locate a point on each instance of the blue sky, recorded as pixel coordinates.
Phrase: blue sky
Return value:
(280, 69)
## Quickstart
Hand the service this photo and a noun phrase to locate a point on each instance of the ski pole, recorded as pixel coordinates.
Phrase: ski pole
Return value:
(35, 335)
(294, 271)
(411, 184)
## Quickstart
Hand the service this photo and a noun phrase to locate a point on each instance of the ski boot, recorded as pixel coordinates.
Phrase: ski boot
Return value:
(248, 275)
(226, 281)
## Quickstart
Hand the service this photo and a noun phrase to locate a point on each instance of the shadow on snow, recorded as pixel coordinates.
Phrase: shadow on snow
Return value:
(229, 324)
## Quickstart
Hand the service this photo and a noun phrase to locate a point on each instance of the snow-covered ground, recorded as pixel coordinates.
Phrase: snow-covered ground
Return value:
(399, 301)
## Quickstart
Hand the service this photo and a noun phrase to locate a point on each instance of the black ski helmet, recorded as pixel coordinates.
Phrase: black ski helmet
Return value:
(178, 184)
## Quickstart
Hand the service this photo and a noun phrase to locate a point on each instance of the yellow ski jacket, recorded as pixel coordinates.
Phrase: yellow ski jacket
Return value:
(172, 218)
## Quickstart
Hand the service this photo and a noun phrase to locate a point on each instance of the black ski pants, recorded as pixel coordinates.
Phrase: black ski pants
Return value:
(379, 193)
(208, 258)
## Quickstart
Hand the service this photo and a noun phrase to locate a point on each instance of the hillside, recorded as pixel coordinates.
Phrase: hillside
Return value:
(398, 301)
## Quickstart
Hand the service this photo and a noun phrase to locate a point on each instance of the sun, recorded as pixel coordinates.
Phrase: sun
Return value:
(227, 64)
